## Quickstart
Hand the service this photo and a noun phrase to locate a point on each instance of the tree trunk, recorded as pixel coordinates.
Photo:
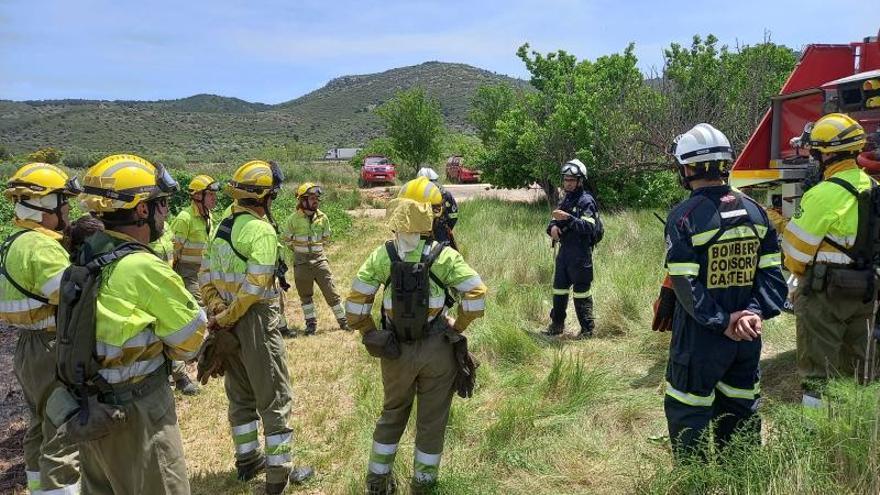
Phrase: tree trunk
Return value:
(551, 191)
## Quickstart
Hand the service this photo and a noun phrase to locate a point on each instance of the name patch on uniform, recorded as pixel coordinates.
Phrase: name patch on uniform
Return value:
(732, 263)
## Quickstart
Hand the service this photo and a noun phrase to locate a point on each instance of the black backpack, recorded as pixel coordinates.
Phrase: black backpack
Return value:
(598, 230)
(865, 252)
(78, 364)
(410, 285)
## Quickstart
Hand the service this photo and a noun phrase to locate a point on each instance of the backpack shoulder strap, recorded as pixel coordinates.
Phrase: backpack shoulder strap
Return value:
(430, 258)
(224, 231)
(855, 192)
(846, 185)
(4, 249)
(121, 251)
(392, 251)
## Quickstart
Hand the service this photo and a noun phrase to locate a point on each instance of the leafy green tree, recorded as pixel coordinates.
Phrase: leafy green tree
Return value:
(581, 109)
(414, 124)
(729, 89)
(489, 104)
(46, 155)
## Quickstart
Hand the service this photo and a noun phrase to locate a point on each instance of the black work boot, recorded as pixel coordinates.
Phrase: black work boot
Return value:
(288, 332)
(298, 475)
(343, 324)
(311, 326)
(381, 486)
(417, 487)
(554, 329)
(249, 470)
(186, 386)
(583, 307)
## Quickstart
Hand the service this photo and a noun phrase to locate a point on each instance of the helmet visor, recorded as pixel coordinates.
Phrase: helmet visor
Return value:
(73, 187)
(316, 190)
(213, 187)
(164, 181)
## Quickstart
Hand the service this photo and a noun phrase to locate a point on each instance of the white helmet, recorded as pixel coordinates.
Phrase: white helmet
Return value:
(576, 168)
(428, 173)
(703, 143)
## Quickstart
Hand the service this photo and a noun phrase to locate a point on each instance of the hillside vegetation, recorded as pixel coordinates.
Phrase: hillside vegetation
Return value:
(219, 129)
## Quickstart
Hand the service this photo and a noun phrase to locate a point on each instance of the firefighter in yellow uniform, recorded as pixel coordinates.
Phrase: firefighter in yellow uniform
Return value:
(144, 318)
(417, 357)
(33, 262)
(238, 288)
(832, 284)
(164, 247)
(192, 228)
(305, 232)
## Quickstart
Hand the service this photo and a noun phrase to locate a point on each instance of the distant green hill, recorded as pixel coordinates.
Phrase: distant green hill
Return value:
(213, 128)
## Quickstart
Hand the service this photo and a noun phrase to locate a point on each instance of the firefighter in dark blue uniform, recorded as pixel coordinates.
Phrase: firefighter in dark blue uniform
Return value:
(576, 226)
(723, 261)
(445, 221)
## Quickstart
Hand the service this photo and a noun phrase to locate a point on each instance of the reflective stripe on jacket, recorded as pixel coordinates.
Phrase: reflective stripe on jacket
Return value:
(826, 210)
(718, 264)
(305, 235)
(450, 268)
(36, 261)
(190, 235)
(144, 313)
(231, 285)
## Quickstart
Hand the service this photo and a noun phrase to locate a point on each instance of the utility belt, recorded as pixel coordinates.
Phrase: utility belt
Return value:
(844, 281)
(86, 415)
(434, 327)
(385, 342)
(126, 393)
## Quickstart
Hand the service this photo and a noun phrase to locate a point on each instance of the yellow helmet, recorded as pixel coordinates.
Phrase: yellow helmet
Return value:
(35, 180)
(421, 190)
(121, 182)
(308, 188)
(837, 132)
(256, 180)
(203, 182)
(871, 89)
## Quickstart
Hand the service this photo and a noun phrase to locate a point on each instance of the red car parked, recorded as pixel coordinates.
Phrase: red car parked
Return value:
(457, 172)
(377, 169)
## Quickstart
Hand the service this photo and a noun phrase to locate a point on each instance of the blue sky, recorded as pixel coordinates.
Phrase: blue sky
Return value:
(274, 51)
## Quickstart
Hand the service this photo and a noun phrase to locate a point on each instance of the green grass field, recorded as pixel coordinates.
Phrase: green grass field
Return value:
(549, 417)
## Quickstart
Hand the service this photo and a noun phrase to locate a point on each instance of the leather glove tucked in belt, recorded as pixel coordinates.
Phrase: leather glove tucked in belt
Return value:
(664, 307)
(217, 348)
(466, 374)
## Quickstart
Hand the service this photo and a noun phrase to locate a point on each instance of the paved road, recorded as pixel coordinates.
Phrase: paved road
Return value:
(461, 192)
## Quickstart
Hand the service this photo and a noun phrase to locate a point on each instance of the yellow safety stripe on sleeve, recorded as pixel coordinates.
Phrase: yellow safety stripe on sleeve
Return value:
(690, 399)
(739, 393)
(683, 269)
(589, 219)
(144, 313)
(703, 237)
(770, 260)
